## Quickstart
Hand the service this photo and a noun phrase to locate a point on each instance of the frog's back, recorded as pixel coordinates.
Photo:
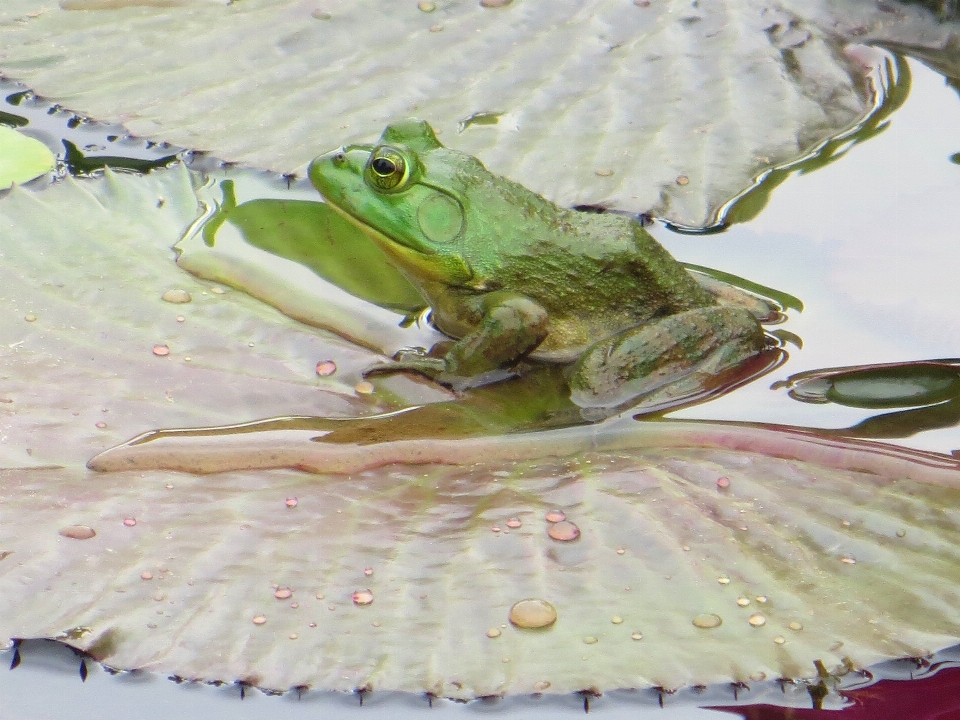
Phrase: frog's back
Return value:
(594, 274)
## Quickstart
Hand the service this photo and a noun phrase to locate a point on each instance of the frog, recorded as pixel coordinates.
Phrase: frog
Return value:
(512, 278)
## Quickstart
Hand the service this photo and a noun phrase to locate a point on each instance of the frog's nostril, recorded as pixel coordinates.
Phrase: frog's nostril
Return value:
(340, 157)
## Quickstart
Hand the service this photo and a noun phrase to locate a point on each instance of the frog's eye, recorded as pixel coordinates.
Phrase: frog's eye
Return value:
(387, 169)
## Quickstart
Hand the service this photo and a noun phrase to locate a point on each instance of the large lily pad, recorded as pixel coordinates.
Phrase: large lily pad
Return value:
(670, 107)
(842, 553)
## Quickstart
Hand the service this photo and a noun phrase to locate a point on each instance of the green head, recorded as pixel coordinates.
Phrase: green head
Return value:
(406, 193)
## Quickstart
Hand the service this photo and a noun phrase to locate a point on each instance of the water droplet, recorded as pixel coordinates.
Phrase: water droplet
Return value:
(493, 633)
(723, 482)
(505, 660)
(901, 533)
(555, 516)
(30, 318)
(319, 596)
(514, 523)
(779, 640)
(293, 636)
(259, 619)
(637, 636)
(533, 613)
(743, 602)
(707, 621)
(326, 368)
(161, 350)
(130, 522)
(313, 625)
(368, 571)
(291, 502)
(294, 605)
(795, 626)
(757, 620)
(168, 486)
(376, 623)
(158, 597)
(758, 676)
(848, 560)
(642, 3)
(761, 598)
(590, 640)
(364, 387)
(541, 685)
(683, 180)
(331, 607)
(616, 619)
(176, 296)
(181, 318)
(564, 531)
(495, 529)
(845, 523)
(78, 532)
(217, 290)
(426, 6)
(362, 597)
(436, 28)
(723, 580)
(146, 575)
(495, 3)
(101, 425)
(603, 172)
(621, 551)
(283, 593)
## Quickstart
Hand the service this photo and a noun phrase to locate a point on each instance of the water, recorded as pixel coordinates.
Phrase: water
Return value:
(868, 243)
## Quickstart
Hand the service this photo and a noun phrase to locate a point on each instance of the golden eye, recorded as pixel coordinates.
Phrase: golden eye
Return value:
(387, 169)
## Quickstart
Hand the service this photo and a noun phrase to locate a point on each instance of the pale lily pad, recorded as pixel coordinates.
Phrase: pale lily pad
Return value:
(22, 158)
(672, 108)
(393, 577)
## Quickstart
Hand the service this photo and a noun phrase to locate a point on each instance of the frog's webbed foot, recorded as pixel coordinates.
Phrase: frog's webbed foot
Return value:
(436, 368)
(428, 367)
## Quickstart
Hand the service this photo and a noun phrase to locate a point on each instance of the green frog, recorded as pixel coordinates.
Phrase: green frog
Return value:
(512, 277)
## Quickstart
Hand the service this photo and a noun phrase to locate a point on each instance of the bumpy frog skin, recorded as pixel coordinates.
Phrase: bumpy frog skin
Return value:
(510, 275)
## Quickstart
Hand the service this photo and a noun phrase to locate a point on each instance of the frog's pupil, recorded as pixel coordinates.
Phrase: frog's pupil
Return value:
(384, 166)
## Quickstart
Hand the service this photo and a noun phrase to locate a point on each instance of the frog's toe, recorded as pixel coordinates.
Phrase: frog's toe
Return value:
(429, 367)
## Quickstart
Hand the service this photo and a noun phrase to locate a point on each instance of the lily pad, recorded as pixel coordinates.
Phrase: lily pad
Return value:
(672, 108)
(22, 158)
(394, 576)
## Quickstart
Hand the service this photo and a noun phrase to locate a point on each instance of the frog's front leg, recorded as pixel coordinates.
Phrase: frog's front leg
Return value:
(510, 326)
(677, 354)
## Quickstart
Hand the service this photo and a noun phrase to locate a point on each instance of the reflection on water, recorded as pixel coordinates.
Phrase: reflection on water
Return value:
(869, 244)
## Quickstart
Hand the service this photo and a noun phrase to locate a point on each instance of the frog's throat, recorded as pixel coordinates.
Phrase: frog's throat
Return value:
(447, 269)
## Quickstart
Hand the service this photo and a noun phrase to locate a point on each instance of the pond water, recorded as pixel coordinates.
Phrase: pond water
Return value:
(868, 243)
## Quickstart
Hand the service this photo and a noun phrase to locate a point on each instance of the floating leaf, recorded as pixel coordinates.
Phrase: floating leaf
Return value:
(597, 103)
(22, 158)
(861, 536)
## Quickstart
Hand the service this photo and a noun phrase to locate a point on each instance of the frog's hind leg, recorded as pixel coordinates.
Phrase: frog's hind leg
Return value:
(675, 358)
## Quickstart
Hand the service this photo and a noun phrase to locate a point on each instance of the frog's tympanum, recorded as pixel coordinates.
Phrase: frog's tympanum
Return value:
(512, 276)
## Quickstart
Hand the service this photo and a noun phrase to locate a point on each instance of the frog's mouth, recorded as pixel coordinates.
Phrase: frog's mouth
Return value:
(419, 264)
